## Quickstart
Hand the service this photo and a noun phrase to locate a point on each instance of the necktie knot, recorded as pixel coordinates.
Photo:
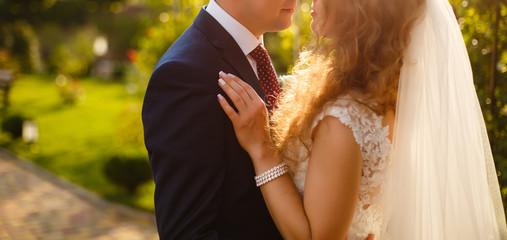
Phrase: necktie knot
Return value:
(267, 75)
(260, 55)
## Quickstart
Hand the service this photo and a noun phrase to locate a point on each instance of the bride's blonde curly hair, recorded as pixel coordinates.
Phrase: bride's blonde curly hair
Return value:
(369, 39)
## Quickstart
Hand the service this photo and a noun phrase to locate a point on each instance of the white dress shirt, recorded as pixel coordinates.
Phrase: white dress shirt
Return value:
(245, 39)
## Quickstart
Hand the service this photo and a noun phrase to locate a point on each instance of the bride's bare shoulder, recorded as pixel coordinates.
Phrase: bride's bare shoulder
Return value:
(331, 128)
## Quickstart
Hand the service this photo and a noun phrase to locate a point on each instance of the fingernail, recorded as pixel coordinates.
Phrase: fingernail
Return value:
(220, 97)
(222, 82)
(221, 73)
(231, 75)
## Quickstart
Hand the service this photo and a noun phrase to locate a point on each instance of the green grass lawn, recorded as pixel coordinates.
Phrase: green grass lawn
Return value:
(76, 140)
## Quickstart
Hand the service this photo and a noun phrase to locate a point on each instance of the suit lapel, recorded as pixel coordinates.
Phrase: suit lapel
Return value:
(236, 58)
(231, 52)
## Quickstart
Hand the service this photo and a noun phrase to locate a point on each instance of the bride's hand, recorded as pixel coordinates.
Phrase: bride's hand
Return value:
(251, 122)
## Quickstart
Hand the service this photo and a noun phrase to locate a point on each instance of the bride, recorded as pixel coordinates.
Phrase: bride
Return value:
(381, 133)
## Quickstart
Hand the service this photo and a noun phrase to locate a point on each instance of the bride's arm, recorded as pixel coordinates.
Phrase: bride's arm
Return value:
(331, 188)
(333, 177)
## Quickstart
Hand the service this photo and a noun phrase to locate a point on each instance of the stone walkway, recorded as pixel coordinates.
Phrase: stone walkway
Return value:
(35, 204)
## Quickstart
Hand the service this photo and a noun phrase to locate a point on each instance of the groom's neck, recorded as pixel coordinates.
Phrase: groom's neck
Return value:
(234, 9)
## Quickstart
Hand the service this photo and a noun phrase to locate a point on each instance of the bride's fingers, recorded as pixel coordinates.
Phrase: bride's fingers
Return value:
(240, 90)
(229, 111)
(248, 89)
(235, 97)
(256, 100)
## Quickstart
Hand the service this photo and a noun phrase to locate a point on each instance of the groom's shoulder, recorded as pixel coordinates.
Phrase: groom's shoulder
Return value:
(192, 47)
(202, 44)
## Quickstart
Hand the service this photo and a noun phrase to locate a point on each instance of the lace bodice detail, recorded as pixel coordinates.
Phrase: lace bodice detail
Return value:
(373, 139)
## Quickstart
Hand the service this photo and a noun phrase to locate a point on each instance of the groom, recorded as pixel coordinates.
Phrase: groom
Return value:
(205, 186)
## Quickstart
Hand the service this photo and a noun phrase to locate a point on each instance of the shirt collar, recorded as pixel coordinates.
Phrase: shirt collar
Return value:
(245, 39)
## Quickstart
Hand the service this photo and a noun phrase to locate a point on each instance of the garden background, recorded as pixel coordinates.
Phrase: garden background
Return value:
(81, 69)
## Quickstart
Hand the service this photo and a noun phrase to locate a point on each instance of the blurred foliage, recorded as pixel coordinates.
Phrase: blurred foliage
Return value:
(129, 130)
(128, 171)
(69, 89)
(75, 55)
(13, 125)
(18, 41)
(33, 32)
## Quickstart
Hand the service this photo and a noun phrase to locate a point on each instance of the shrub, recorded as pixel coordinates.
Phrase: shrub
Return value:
(128, 172)
(13, 125)
(70, 89)
(75, 55)
(130, 127)
(19, 39)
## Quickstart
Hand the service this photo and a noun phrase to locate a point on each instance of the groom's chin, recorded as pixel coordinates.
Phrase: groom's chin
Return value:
(281, 25)
(284, 20)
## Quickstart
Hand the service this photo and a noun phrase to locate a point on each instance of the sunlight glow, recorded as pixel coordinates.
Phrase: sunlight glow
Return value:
(100, 46)
(163, 17)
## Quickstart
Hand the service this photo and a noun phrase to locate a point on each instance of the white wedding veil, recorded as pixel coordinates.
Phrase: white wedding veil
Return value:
(444, 184)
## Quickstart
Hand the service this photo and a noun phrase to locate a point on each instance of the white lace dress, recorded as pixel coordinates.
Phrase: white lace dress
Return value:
(373, 139)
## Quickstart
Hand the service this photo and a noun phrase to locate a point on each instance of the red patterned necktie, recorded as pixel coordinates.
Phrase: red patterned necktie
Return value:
(267, 75)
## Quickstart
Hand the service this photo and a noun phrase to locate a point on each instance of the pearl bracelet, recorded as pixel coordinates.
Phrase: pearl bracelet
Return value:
(271, 174)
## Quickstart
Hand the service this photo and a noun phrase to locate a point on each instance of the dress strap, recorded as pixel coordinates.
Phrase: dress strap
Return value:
(364, 123)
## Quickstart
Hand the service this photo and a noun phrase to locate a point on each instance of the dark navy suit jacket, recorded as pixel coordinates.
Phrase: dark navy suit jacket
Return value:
(205, 186)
